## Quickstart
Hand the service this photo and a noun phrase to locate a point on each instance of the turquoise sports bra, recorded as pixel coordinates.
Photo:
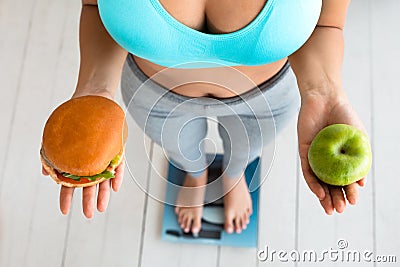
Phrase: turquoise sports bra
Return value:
(144, 28)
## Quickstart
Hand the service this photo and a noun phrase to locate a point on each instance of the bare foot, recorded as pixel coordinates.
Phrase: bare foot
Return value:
(237, 204)
(190, 201)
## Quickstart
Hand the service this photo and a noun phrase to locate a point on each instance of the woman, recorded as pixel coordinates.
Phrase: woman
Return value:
(267, 36)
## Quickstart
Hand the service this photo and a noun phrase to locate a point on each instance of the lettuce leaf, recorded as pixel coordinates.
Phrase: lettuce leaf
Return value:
(106, 174)
(115, 161)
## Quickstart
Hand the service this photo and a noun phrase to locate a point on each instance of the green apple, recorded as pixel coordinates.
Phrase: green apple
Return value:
(340, 154)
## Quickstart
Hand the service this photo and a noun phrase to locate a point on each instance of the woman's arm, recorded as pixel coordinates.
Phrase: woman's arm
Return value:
(101, 58)
(317, 66)
(318, 63)
(99, 74)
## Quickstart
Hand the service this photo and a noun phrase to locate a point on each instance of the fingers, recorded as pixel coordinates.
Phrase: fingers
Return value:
(88, 198)
(89, 194)
(44, 172)
(119, 175)
(338, 198)
(66, 194)
(327, 203)
(333, 197)
(351, 193)
(312, 181)
(361, 182)
(103, 195)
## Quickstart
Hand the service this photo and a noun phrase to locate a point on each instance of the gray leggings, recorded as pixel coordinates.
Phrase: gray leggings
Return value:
(179, 123)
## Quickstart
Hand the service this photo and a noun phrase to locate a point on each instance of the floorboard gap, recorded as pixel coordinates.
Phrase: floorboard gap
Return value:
(18, 89)
(146, 200)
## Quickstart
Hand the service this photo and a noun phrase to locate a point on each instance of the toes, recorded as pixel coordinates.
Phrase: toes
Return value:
(196, 224)
(242, 223)
(183, 217)
(250, 211)
(229, 222)
(180, 218)
(238, 224)
(187, 223)
(245, 220)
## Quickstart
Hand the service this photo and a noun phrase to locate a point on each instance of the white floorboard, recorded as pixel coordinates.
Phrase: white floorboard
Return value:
(386, 97)
(316, 231)
(13, 48)
(22, 178)
(39, 60)
(49, 227)
(277, 229)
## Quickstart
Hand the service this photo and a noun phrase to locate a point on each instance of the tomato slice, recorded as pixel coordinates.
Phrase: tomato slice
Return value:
(72, 181)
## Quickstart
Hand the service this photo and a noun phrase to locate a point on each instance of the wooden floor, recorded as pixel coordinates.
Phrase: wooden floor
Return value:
(38, 70)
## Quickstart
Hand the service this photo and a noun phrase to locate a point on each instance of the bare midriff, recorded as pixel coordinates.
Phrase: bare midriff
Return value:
(206, 15)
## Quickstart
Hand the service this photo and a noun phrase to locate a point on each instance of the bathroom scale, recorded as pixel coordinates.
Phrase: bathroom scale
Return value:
(212, 225)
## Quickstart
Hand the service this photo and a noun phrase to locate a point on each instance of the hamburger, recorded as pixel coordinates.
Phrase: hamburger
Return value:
(83, 141)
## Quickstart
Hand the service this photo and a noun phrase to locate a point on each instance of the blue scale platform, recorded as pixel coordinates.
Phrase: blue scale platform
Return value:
(212, 231)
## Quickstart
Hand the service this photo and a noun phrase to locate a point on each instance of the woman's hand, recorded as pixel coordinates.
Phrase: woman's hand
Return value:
(318, 111)
(89, 193)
